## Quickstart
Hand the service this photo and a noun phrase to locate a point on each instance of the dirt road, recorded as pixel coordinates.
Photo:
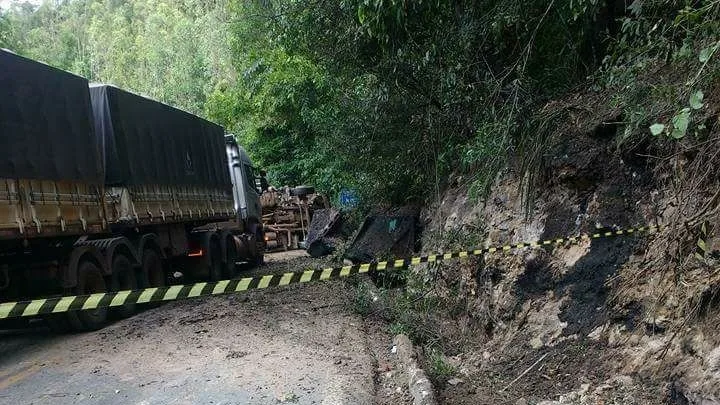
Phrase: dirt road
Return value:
(299, 344)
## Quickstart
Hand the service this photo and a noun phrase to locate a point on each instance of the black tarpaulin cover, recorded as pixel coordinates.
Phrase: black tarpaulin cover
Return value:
(384, 237)
(147, 142)
(45, 123)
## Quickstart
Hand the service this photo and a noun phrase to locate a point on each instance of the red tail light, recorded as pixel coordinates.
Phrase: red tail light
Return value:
(196, 253)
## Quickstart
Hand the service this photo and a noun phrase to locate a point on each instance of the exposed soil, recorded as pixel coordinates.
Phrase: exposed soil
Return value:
(628, 320)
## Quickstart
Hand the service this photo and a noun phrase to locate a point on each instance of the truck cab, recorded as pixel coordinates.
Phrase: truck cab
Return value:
(242, 175)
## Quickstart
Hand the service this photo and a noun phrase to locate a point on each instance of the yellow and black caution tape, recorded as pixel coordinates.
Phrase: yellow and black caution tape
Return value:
(54, 305)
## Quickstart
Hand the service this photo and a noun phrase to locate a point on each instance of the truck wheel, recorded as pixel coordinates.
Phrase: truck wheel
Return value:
(153, 273)
(152, 269)
(15, 323)
(231, 258)
(123, 278)
(260, 246)
(90, 280)
(216, 261)
(58, 323)
(259, 259)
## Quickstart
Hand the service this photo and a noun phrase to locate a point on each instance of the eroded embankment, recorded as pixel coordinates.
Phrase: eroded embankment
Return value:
(617, 320)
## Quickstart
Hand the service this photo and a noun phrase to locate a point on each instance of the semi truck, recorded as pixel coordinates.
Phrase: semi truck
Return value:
(105, 190)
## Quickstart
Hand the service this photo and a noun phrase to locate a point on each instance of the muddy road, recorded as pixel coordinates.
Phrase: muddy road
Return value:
(300, 344)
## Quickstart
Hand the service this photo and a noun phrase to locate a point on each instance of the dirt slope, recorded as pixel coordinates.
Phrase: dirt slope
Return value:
(621, 320)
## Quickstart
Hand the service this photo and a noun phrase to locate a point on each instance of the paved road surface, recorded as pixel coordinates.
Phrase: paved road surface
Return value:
(298, 344)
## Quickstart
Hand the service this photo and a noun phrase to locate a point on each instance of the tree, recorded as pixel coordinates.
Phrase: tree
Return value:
(387, 97)
(171, 51)
(5, 32)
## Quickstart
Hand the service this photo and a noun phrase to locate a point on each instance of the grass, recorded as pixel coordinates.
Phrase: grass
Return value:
(439, 369)
(399, 328)
(364, 299)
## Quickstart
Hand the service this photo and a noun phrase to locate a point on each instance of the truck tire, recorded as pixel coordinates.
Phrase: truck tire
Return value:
(152, 269)
(15, 323)
(302, 191)
(231, 257)
(259, 259)
(123, 278)
(58, 323)
(90, 280)
(260, 245)
(153, 274)
(215, 261)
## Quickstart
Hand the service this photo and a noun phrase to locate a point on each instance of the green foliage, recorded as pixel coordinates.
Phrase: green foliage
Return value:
(663, 40)
(680, 123)
(440, 369)
(172, 51)
(657, 129)
(707, 53)
(363, 299)
(397, 328)
(696, 100)
(681, 120)
(387, 97)
(6, 40)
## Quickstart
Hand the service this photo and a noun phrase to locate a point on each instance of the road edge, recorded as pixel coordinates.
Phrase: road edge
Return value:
(419, 384)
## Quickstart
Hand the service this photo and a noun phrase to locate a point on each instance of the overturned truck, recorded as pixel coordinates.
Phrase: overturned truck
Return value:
(104, 190)
(287, 215)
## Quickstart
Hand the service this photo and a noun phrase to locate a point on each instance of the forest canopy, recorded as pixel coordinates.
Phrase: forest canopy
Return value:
(386, 97)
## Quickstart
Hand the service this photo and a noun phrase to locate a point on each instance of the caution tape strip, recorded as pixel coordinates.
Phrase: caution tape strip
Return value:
(55, 305)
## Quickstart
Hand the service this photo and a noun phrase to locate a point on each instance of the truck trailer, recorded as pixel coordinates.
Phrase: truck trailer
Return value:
(104, 190)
